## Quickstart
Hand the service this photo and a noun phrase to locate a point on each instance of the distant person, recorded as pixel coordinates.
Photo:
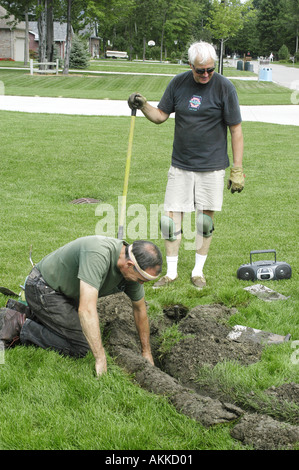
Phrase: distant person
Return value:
(63, 288)
(205, 105)
(271, 57)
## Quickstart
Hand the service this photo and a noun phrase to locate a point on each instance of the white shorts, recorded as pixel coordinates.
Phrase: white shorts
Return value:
(190, 190)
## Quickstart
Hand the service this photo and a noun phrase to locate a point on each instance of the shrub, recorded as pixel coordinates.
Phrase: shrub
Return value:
(79, 57)
(283, 53)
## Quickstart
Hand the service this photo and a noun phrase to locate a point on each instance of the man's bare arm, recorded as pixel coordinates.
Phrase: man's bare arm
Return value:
(89, 319)
(153, 114)
(142, 325)
(237, 144)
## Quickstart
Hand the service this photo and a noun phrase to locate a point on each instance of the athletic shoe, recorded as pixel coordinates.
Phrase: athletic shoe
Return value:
(198, 281)
(164, 281)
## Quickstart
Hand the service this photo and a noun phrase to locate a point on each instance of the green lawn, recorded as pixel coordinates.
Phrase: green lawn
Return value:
(52, 402)
(47, 161)
(119, 87)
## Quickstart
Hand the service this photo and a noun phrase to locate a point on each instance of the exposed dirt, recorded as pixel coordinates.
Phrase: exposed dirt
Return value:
(204, 343)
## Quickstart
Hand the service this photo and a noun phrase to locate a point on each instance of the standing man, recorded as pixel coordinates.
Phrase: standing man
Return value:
(205, 105)
(63, 288)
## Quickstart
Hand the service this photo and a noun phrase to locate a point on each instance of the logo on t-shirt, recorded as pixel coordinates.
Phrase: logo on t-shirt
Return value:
(195, 103)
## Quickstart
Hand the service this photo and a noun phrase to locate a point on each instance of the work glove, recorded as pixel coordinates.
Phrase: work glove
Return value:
(136, 101)
(236, 180)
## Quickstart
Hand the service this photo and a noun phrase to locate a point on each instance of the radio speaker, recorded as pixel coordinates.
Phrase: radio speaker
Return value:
(246, 273)
(283, 271)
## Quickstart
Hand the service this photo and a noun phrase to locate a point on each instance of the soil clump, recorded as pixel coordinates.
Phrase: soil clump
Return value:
(203, 343)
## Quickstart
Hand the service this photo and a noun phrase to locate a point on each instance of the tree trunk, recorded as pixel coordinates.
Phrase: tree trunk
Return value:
(50, 32)
(42, 32)
(144, 46)
(220, 65)
(26, 42)
(130, 42)
(162, 36)
(68, 39)
(162, 41)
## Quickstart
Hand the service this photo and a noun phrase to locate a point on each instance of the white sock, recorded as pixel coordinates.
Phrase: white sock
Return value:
(172, 266)
(199, 264)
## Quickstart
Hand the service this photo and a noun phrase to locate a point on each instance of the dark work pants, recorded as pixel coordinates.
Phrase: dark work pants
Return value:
(53, 321)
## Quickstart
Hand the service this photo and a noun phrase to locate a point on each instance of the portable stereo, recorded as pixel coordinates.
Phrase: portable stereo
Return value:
(264, 270)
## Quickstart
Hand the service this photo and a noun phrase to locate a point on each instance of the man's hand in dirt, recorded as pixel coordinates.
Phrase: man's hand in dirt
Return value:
(149, 357)
(101, 365)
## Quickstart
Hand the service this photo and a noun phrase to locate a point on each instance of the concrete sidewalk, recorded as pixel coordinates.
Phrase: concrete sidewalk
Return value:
(286, 115)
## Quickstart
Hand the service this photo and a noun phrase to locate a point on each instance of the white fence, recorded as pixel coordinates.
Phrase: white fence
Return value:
(47, 68)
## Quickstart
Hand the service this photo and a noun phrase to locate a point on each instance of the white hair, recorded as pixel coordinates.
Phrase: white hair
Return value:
(203, 50)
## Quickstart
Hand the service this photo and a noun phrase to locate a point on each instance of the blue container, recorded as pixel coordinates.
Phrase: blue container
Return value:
(265, 74)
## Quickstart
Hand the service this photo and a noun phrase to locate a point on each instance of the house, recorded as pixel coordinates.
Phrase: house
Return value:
(60, 31)
(12, 38)
(90, 32)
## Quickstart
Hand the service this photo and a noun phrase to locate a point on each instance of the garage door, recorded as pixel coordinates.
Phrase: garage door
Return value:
(19, 49)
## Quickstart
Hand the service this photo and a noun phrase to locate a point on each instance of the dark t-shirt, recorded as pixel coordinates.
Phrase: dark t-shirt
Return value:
(91, 259)
(202, 114)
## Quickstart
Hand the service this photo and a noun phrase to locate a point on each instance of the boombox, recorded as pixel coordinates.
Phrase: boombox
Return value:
(264, 270)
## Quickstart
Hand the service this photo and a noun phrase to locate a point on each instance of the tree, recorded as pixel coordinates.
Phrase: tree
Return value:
(283, 53)
(225, 20)
(172, 22)
(147, 16)
(269, 26)
(107, 14)
(292, 13)
(246, 38)
(68, 39)
(199, 16)
(79, 58)
(45, 24)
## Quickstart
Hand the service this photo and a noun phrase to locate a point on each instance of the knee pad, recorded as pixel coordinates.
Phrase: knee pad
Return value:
(167, 227)
(204, 225)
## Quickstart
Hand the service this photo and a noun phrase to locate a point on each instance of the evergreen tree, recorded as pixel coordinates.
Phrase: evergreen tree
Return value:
(269, 26)
(79, 57)
(283, 53)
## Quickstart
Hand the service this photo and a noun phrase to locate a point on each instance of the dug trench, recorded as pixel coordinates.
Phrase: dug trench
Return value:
(203, 331)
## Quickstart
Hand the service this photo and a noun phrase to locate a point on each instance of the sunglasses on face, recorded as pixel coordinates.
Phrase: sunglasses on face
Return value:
(202, 71)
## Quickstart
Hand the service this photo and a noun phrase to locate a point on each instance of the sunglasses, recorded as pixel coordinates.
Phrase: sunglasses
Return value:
(202, 71)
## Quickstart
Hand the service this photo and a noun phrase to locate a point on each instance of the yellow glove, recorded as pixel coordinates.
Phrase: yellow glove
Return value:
(236, 180)
(136, 101)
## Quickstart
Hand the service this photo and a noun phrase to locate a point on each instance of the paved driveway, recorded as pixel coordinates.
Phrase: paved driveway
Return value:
(288, 115)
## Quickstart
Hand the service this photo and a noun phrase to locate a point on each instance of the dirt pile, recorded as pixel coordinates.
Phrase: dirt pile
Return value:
(204, 343)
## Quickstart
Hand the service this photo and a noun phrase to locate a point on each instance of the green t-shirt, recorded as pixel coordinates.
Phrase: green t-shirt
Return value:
(92, 259)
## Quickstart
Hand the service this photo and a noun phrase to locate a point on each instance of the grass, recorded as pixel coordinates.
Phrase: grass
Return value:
(53, 402)
(118, 87)
(39, 411)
